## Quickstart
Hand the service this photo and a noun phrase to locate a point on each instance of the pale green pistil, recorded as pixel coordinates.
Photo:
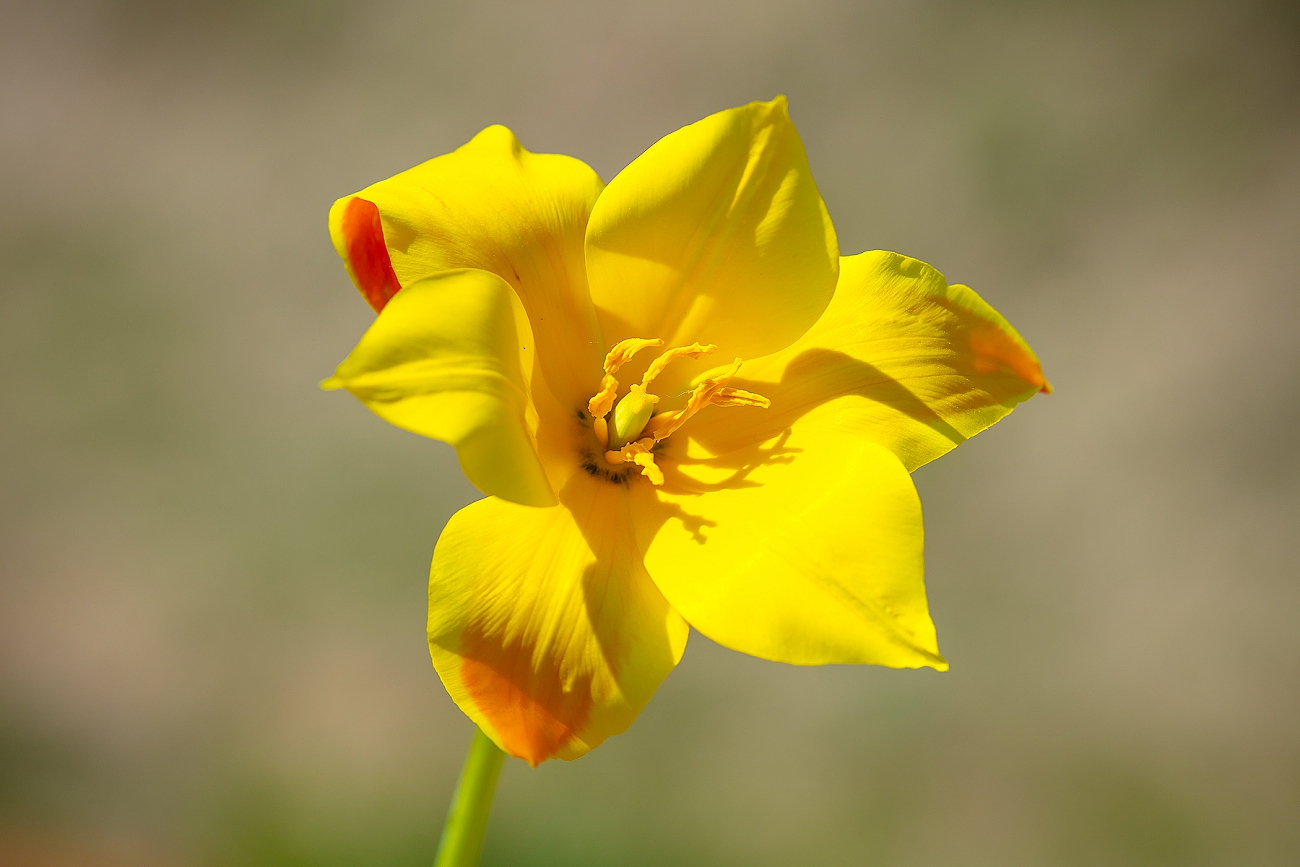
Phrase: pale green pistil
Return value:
(630, 416)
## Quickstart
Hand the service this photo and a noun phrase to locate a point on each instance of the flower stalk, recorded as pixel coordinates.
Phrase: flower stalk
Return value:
(467, 818)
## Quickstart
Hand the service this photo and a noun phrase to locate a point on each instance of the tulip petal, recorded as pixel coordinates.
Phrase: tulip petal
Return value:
(493, 206)
(543, 624)
(716, 234)
(806, 550)
(899, 357)
(443, 360)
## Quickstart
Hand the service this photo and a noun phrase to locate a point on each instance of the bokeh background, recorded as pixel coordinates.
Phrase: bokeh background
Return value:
(212, 586)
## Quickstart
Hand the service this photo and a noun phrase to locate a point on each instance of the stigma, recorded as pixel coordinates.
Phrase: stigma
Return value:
(633, 431)
(630, 415)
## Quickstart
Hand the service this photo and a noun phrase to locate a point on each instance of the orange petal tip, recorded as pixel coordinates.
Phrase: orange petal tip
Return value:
(367, 253)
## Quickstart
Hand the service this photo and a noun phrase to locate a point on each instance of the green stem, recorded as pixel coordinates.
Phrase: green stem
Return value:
(462, 835)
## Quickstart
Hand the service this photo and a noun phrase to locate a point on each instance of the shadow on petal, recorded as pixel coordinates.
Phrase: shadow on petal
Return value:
(813, 378)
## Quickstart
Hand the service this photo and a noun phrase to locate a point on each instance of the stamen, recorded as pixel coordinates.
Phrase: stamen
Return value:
(603, 402)
(695, 350)
(600, 405)
(632, 415)
(638, 453)
(623, 351)
(665, 424)
(649, 468)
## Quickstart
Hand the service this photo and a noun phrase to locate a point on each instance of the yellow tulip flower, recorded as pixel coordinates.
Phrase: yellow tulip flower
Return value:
(684, 406)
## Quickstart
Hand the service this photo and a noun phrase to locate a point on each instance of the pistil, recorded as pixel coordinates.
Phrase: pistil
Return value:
(631, 414)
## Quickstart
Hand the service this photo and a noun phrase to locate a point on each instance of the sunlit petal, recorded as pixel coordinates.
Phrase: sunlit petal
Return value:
(716, 234)
(806, 549)
(899, 357)
(493, 206)
(543, 624)
(443, 360)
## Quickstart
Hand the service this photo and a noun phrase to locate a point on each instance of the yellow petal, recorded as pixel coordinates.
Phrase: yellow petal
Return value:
(543, 624)
(807, 550)
(899, 357)
(715, 234)
(493, 206)
(443, 360)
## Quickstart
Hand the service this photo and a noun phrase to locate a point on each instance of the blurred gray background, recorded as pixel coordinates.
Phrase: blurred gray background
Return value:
(212, 585)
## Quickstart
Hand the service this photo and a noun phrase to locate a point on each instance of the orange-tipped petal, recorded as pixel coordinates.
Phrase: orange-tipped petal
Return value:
(900, 357)
(543, 624)
(493, 206)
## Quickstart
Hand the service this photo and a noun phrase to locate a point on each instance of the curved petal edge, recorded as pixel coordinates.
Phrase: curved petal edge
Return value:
(717, 234)
(807, 549)
(443, 360)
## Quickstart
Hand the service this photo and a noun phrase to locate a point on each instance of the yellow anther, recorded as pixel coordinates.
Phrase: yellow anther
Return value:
(638, 453)
(601, 428)
(665, 424)
(603, 402)
(649, 468)
(695, 350)
(623, 351)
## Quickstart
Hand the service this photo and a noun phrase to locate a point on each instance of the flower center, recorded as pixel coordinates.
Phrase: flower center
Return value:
(633, 432)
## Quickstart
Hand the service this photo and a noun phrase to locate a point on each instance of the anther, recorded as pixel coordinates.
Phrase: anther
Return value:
(649, 469)
(695, 350)
(665, 424)
(603, 402)
(638, 453)
(622, 352)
